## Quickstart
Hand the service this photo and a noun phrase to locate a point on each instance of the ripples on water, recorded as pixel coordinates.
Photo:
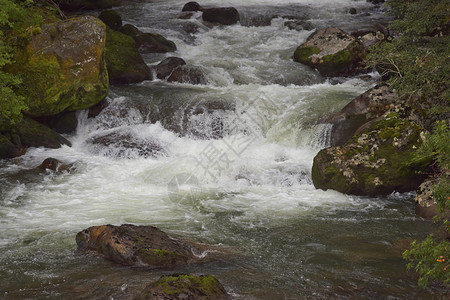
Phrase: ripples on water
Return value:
(259, 112)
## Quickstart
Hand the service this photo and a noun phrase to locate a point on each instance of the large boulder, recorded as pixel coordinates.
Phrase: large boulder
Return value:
(74, 5)
(137, 245)
(111, 18)
(166, 67)
(188, 74)
(63, 67)
(364, 108)
(125, 63)
(378, 160)
(331, 51)
(221, 15)
(34, 134)
(184, 286)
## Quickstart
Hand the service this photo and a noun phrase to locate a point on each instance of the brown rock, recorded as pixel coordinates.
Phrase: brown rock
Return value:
(137, 245)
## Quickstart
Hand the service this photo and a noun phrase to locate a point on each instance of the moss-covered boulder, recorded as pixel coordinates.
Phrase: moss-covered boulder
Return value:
(364, 108)
(74, 5)
(331, 51)
(377, 161)
(124, 62)
(184, 286)
(63, 67)
(137, 245)
(130, 30)
(111, 18)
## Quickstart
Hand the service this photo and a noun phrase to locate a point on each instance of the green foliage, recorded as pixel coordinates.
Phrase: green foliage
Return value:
(11, 104)
(417, 62)
(430, 259)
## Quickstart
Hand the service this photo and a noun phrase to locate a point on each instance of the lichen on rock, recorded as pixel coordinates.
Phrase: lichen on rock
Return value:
(331, 51)
(63, 67)
(377, 161)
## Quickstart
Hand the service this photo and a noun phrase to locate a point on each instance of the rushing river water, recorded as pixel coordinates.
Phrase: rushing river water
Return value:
(227, 163)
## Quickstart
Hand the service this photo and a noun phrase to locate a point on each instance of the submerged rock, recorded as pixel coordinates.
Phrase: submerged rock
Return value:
(188, 74)
(63, 67)
(54, 165)
(299, 25)
(124, 62)
(137, 245)
(125, 145)
(221, 15)
(111, 18)
(364, 108)
(184, 286)
(166, 67)
(331, 51)
(378, 161)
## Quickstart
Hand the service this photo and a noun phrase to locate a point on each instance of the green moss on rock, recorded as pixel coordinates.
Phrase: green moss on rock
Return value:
(124, 62)
(187, 285)
(160, 257)
(303, 55)
(7, 149)
(63, 68)
(378, 161)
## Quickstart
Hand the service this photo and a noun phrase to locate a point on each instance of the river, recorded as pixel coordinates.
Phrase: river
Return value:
(230, 166)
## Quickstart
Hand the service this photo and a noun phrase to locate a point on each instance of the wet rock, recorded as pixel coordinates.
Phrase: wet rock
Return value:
(137, 245)
(376, 1)
(184, 286)
(154, 43)
(191, 28)
(148, 42)
(63, 67)
(376, 161)
(192, 6)
(111, 18)
(352, 11)
(426, 206)
(7, 148)
(130, 30)
(124, 62)
(331, 51)
(54, 165)
(256, 21)
(125, 145)
(221, 15)
(166, 67)
(299, 25)
(98, 108)
(74, 5)
(364, 108)
(188, 74)
(34, 134)
(65, 122)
